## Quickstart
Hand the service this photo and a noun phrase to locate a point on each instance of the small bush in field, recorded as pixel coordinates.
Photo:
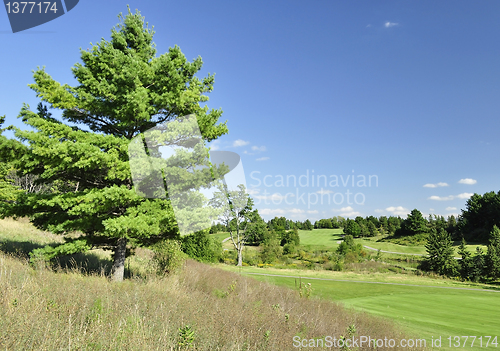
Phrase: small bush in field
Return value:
(186, 336)
(168, 256)
(289, 249)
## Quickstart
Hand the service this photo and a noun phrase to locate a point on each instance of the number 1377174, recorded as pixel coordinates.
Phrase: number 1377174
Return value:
(480, 341)
(31, 7)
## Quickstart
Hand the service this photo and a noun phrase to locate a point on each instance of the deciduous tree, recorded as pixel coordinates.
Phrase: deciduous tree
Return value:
(235, 208)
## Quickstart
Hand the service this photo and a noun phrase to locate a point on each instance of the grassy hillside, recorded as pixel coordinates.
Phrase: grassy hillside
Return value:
(423, 310)
(320, 238)
(327, 239)
(65, 309)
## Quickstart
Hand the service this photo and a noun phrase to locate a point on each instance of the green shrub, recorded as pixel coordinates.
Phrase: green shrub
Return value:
(289, 249)
(201, 247)
(168, 256)
(271, 251)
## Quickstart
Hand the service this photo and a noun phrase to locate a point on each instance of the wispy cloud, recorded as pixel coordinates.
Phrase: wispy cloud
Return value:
(323, 192)
(262, 159)
(397, 210)
(468, 181)
(450, 208)
(437, 185)
(259, 148)
(390, 24)
(441, 198)
(240, 142)
(451, 197)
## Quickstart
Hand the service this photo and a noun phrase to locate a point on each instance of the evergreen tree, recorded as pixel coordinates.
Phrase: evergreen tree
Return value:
(493, 254)
(440, 253)
(478, 266)
(466, 263)
(364, 231)
(124, 90)
(308, 225)
(351, 228)
(372, 229)
(415, 223)
(9, 150)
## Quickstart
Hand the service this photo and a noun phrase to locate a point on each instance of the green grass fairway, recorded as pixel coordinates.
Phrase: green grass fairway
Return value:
(220, 236)
(321, 239)
(387, 246)
(424, 311)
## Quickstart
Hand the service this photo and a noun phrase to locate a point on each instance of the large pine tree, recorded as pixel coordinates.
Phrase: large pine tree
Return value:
(440, 253)
(124, 90)
(493, 254)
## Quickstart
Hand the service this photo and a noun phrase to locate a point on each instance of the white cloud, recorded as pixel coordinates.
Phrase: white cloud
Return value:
(390, 24)
(441, 198)
(240, 142)
(313, 212)
(348, 212)
(215, 145)
(259, 148)
(431, 209)
(397, 210)
(435, 185)
(450, 208)
(323, 192)
(451, 197)
(468, 181)
(379, 210)
(295, 210)
(262, 159)
(252, 191)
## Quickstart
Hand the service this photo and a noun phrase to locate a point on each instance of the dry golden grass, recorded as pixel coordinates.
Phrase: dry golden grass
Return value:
(46, 310)
(80, 309)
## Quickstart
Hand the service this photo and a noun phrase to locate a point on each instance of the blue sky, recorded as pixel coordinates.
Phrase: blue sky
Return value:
(406, 92)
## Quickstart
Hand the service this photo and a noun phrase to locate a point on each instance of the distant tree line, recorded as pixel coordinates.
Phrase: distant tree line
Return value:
(273, 224)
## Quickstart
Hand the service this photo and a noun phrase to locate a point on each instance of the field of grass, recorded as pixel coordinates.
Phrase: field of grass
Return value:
(220, 236)
(68, 309)
(42, 309)
(424, 310)
(414, 249)
(320, 239)
(388, 246)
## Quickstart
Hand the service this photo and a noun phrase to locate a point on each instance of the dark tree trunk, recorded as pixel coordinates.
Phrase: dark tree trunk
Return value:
(119, 262)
